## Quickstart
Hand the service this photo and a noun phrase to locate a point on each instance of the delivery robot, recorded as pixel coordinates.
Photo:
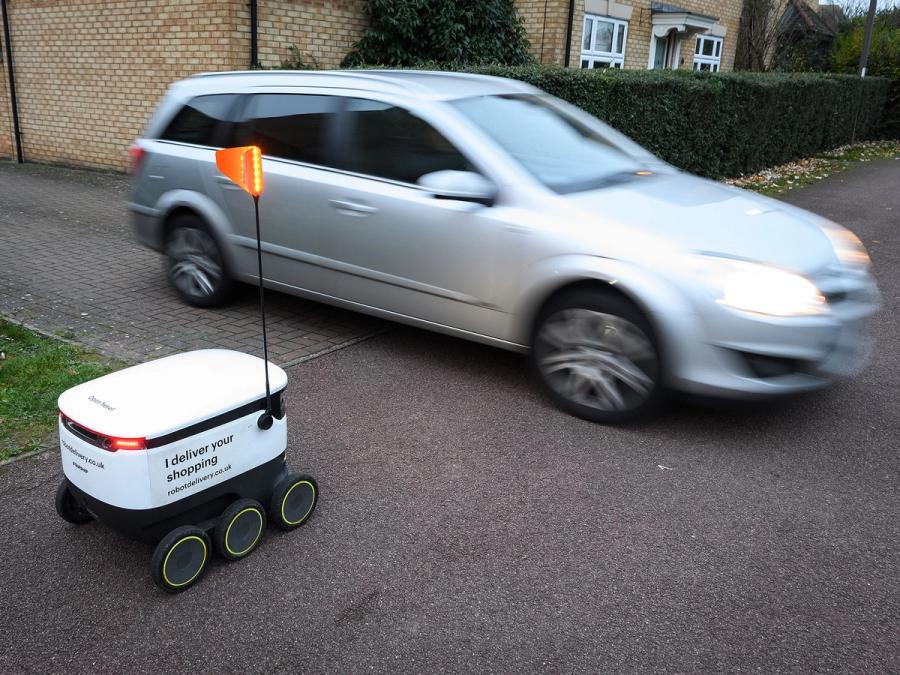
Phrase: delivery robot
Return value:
(188, 451)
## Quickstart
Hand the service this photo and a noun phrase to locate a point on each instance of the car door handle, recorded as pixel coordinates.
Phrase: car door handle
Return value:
(352, 208)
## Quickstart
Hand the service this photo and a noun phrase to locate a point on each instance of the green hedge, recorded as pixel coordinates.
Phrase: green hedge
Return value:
(718, 124)
(890, 123)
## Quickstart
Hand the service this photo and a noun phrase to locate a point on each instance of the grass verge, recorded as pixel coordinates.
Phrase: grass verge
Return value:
(779, 179)
(34, 371)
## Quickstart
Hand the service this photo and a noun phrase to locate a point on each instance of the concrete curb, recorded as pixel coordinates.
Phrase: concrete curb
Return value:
(337, 347)
(45, 447)
(48, 334)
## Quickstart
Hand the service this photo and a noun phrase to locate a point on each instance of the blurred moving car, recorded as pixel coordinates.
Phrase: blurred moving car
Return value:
(487, 209)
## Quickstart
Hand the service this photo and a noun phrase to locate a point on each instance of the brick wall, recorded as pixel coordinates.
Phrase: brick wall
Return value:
(7, 140)
(89, 72)
(322, 30)
(545, 23)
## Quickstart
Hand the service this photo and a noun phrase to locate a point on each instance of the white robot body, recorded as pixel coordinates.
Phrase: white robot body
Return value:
(141, 445)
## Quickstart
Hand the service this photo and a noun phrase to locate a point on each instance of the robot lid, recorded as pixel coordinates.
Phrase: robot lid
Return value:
(164, 396)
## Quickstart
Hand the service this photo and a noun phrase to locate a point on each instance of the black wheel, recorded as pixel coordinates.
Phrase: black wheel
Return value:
(239, 529)
(194, 263)
(68, 508)
(180, 558)
(596, 355)
(294, 500)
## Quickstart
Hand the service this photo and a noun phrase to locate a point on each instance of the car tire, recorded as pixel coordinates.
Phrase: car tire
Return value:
(239, 529)
(596, 355)
(180, 559)
(195, 265)
(68, 508)
(293, 501)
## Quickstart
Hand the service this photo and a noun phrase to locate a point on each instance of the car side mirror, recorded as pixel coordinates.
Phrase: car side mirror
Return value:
(464, 186)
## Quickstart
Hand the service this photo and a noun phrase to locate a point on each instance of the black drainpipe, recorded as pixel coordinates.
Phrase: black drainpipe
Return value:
(569, 31)
(12, 84)
(254, 56)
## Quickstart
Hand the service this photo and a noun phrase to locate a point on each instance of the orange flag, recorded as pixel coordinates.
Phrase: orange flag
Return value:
(244, 166)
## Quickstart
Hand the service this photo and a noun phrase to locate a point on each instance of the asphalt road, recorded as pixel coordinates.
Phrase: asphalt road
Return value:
(466, 524)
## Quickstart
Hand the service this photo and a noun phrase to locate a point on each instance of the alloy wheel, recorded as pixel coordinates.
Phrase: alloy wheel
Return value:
(595, 359)
(195, 265)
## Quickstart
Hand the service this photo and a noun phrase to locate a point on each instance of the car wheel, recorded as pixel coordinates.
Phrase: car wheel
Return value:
(194, 264)
(596, 355)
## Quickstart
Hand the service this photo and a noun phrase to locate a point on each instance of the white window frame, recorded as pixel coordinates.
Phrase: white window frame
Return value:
(706, 62)
(592, 58)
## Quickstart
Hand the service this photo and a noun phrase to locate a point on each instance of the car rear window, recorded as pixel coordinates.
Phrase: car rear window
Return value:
(290, 126)
(390, 142)
(201, 120)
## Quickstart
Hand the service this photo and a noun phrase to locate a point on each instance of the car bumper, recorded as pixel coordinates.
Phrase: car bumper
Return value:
(734, 355)
(146, 224)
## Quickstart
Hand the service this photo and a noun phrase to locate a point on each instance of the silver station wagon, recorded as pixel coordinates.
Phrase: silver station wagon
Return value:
(487, 209)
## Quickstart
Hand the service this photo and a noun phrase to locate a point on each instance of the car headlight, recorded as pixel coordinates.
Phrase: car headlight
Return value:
(760, 289)
(847, 247)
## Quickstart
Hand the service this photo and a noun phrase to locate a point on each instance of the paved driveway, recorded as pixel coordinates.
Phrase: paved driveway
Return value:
(465, 524)
(70, 266)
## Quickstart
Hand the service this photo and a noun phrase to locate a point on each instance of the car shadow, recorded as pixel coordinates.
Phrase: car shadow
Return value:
(679, 414)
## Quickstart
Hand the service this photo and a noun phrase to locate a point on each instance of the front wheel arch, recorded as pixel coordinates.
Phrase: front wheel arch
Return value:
(599, 285)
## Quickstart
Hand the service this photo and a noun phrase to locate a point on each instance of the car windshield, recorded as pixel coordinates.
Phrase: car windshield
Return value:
(562, 153)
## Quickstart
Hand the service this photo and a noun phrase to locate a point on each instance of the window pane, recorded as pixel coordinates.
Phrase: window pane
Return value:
(586, 36)
(390, 142)
(708, 47)
(718, 49)
(715, 68)
(198, 121)
(696, 66)
(585, 63)
(290, 126)
(697, 48)
(620, 43)
(603, 41)
(557, 150)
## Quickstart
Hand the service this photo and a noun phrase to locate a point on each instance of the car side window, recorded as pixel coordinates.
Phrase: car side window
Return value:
(201, 121)
(385, 141)
(289, 126)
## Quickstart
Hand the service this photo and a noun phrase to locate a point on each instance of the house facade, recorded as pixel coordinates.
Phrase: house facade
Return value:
(633, 34)
(87, 73)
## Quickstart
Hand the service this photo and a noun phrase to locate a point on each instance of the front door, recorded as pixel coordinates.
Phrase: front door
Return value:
(395, 246)
(665, 51)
